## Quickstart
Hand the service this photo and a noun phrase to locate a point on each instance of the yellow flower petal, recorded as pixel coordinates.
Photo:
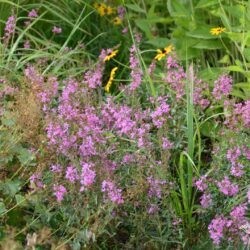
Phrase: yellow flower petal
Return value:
(111, 78)
(217, 31)
(117, 21)
(110, 55)
(169, 49)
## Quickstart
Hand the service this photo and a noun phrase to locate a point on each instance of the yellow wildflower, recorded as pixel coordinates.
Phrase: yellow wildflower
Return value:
(103, 9)
(111, 78)
(217, 31)
(110, 55)
(160, 55)
(117, 21)
(169, 49)
(100, 8)
(164, 52)
(97, 5)
(109, 10)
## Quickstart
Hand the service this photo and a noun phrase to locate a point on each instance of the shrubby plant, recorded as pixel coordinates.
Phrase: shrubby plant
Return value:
(107, 145)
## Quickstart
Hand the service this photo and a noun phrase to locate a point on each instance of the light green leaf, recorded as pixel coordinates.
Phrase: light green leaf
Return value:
(177, 8)
(11, 187)
(20, 199)
(144, 26)
(2, 208)
(135, 8)
(206, 3)
(24, 156)
(238, 93)
(159, 42)
(234, 68)
(201, 32)
(208, 45)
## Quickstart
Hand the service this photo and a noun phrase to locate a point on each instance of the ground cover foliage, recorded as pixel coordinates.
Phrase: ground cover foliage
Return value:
(124, 124)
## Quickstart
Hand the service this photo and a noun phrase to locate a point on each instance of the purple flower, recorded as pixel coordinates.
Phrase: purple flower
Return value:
(27, 44)
(33, 14)
(201, 184)
(71, 174)
(56, 168)
(175, 77)
(9, 29)
(237, 170)
(233, 154)
(94, 77)
(238, 213)
(216, 228)
(128, 158)
(87, 176)
(166, 144)
(121, 11)
(136, 72)
(57, 30)
(222, 87)
(113, 193)
(227, 187)
(155, 187)
(59, 192)
(36, 179)
(246, 114)
(161, 113)
(206, 200)
(153, 209)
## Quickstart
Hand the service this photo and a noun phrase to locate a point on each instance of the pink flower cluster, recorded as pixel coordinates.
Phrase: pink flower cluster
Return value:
(155, 187)
(176, 77)
(9, 28)
(227, 187)
(113, 193)
(161, 113)
(233, 155)
(229, 227)
(136, 72)
(82, 134)
(222, 87)
(238, 115)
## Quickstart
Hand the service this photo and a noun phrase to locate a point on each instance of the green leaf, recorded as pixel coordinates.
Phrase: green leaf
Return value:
(238, 93)
(235, 36)
(11, 187)
(165, 20)
(242, 90)
(177, 8)
(144, 26)
(20, 199)
(210, 45)
(2, 208)
(136, 8)
(206, 3)
(159, 42)
(247, 53)
(243, 85)
(234, 68)
(9, 122)
(225, 59)
(210, 74)
(201, 32)
(209, 129)
(24, 156)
